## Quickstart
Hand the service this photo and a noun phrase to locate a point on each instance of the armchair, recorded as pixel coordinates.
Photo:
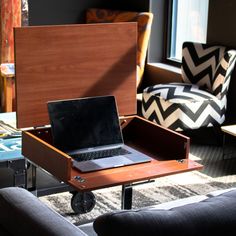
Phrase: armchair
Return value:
(200, 100)
(144, 22)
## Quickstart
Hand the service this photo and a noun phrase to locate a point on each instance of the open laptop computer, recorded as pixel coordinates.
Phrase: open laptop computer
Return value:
(88, 130)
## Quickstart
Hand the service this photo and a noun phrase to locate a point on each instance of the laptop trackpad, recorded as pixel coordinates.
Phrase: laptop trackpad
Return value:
(103, 163)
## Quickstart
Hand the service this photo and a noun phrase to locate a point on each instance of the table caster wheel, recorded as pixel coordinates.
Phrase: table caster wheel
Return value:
(82, 202)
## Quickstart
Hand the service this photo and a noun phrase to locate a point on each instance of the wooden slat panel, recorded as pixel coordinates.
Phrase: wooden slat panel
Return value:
(46, 156)
(71, 61)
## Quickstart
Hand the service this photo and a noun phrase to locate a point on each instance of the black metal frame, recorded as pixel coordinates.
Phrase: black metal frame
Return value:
(127, 194)
(20, 171)
(62, 187)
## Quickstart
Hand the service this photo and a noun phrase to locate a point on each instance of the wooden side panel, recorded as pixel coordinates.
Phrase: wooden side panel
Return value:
(71, 61)
(155, 140)
(46, 156)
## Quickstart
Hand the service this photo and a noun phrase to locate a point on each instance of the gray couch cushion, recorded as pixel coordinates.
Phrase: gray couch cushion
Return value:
(23, 214)
(177, 203)
(88, 229)
(210, 216)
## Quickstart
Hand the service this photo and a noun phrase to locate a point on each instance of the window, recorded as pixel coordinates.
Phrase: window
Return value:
(188, 23)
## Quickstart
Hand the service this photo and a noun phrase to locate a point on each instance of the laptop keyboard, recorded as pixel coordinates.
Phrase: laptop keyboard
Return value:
(99, 154)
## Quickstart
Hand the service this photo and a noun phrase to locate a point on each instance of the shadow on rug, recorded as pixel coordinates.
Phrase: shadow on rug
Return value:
(162, 190)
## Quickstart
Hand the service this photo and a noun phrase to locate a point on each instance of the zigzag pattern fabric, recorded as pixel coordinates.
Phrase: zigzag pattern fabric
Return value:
(199, 63)
(200, 101)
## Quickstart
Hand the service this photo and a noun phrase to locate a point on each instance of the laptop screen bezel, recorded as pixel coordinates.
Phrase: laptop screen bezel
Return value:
(60, 139)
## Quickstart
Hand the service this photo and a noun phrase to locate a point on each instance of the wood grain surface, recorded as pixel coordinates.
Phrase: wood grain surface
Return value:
(71, 61)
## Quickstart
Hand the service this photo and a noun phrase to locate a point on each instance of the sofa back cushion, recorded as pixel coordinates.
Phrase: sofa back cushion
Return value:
(23, 214)
(216, 214)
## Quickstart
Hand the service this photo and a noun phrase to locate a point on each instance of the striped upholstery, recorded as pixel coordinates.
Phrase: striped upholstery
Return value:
(200, 101)
(144, 21)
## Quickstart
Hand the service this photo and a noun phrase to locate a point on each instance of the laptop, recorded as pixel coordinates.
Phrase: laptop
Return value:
(88, 130)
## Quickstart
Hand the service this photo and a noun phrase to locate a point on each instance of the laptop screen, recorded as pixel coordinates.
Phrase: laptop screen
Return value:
(84, 123)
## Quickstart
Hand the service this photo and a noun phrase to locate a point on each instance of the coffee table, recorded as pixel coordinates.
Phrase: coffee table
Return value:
(10, 153)
(227, 130)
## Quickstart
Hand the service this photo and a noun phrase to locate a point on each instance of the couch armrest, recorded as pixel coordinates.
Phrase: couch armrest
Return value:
(24, 214)
(214, 215)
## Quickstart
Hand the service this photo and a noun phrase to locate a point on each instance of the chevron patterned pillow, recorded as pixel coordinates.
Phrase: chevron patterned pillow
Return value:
(199, 63)
(223, 74)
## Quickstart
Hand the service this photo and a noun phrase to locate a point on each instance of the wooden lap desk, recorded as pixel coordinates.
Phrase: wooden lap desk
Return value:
(89, 60)
(170, 156)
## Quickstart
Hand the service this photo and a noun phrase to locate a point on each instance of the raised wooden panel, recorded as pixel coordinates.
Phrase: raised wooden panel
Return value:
(71, 61)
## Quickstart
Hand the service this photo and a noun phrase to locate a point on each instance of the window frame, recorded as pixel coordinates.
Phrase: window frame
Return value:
(171, 34)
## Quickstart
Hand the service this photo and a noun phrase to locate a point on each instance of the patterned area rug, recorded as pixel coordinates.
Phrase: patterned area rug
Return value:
(217, 174)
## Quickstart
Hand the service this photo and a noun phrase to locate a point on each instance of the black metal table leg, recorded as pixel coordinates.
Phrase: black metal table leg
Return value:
(223, 146)
(33, 188)
(19, 176)
(126, 197)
